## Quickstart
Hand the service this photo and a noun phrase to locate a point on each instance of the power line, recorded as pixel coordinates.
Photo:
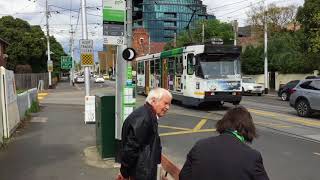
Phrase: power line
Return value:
(228, 5)
(240, 9)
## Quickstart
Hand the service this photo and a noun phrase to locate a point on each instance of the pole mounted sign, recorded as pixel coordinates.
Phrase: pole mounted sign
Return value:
(66, 62)
(86, 51)
(50, 66)
(114, 12)
(129, 54)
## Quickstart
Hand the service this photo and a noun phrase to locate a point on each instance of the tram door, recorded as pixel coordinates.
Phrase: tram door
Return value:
(164, 74)
(147, 77)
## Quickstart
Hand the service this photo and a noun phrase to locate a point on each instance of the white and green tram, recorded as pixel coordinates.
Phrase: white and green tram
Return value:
(194, 74)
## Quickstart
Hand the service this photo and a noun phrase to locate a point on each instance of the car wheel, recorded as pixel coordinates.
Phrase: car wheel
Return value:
(284, 96)
(303, 108)
(259, 94)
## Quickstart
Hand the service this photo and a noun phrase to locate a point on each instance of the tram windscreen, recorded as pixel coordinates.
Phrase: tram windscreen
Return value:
(219, 66)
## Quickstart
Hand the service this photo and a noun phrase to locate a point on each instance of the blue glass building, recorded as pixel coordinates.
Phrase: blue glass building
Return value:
(165, 18)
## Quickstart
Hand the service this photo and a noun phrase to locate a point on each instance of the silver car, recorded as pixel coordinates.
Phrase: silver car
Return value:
(305, 97)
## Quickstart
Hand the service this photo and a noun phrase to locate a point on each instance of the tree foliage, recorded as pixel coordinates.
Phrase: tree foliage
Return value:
(278, 18)
(285, 54)
(212, 29)
(27, 45)
(309, 17)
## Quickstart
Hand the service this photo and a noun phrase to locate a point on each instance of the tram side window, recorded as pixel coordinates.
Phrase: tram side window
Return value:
(157, 66)
(198, 69)
(179, 65)
(141, 68)
(171, 65)
(151, 67)
(190, 65)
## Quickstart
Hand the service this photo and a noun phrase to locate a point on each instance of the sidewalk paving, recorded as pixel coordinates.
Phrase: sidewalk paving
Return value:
(55, 144)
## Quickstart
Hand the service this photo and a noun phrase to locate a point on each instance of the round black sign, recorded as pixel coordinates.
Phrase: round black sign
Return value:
(129, 54)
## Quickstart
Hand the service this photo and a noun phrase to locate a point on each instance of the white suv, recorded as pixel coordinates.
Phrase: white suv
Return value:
(249, 85)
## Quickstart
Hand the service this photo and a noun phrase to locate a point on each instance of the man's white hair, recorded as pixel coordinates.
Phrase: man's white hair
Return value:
(157, 94)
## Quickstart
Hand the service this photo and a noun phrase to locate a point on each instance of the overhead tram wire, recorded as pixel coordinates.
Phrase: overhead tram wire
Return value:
(227, 5)
(223, 15)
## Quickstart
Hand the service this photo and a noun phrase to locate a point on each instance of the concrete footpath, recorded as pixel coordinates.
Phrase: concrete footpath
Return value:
(55, 144)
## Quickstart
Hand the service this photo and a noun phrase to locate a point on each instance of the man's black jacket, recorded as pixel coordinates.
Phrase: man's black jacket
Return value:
(223, 158)
(141, 146)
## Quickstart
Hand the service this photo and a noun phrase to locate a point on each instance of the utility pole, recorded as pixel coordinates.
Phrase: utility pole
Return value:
(175, 40)
(85, 36)
(149, 50)
(235, 29)
(48, 42)
(202, 32)
(266, 79)
(71, 54)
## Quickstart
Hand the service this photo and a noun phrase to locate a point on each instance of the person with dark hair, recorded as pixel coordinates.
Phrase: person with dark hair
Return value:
(227, 156)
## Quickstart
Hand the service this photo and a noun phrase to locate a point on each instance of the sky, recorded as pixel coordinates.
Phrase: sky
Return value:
(61, 16)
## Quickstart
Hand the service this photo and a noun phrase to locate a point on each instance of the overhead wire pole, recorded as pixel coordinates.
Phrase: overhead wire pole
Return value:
(235, 29)
(85, 36)
(71, 54)
(266, 79)
(48, 43)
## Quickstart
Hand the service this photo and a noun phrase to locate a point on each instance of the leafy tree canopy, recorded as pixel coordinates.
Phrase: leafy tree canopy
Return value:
(212, 29)
(309, 17)
(285, 55)
(27, 45)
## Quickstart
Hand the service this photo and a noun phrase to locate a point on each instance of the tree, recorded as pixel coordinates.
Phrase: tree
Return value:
(212, 29)
(285, 54)
(278, 18)
(309, 17)
(27, 45)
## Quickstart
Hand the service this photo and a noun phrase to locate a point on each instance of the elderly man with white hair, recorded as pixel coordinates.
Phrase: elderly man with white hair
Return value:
(141, 147)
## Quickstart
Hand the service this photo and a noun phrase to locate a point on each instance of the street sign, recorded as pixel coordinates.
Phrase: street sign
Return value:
(129, 54)
(86, 51)
(66, 62)
(50, 66)
(114, 12)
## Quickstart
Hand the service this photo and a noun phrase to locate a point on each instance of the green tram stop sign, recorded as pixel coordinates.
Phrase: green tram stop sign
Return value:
(66, 62)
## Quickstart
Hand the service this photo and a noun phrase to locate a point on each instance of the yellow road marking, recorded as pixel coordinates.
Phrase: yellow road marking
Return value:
(200, 125)
(287, 118)
(186, 132)
(273, 124)
(40, 98)
(176, 128)
(42, 94)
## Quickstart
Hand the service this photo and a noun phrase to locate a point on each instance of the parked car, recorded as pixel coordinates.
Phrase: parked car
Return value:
(106, 76)
(249, 85)
(306, 97)
(312, 77)
(99, 79)
(286, 90)
(79, 79)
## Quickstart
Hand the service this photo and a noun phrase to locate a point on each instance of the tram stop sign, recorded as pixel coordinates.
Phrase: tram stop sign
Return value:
(129, 54)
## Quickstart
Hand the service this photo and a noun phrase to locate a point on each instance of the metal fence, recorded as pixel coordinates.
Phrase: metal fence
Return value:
(28, 81)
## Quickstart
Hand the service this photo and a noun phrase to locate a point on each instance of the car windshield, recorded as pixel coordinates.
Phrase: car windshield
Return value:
(248, 80)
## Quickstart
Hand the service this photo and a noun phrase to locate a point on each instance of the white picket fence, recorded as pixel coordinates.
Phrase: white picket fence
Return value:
(12, 106)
